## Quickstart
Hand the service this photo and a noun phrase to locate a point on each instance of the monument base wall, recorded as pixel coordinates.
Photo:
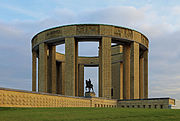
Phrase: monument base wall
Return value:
(20, 98)
(155, 103)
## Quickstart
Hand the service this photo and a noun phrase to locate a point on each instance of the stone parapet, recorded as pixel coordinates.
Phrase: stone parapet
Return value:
(21, 98)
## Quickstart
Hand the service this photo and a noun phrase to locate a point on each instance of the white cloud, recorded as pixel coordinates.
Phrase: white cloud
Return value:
(23, 11)
(175, 10)
(120, 15)
(6, 29)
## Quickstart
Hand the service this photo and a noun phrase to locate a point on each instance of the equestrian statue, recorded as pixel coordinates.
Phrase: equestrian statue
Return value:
(89, 85)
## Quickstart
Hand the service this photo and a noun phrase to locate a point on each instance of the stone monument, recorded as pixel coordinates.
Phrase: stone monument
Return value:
(89, 86)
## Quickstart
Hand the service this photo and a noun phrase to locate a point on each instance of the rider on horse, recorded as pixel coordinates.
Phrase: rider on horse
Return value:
(89, 85)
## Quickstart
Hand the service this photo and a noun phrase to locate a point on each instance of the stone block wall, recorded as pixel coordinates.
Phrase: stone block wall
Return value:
(155, 103)
(18, 98)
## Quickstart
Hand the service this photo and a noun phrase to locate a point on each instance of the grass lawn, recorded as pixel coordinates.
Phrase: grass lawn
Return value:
(88, 114)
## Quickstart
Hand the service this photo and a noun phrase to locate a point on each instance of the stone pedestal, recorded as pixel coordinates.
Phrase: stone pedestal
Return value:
(90, 94)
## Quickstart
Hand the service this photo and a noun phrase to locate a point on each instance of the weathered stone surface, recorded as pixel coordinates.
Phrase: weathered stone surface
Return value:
(43, 75)
(87, 29)
(34, 56)
(60, 70)
(52, 66)
(105, 65)
(126, 72)
(134, 71)
(141, 78)
(94, 30)
(81, 80)
(70, 66)
(146, 74)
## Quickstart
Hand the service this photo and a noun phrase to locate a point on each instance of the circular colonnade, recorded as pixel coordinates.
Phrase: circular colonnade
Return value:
(123, 67)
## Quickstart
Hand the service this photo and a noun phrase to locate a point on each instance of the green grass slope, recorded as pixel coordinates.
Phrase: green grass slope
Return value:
(88, 114)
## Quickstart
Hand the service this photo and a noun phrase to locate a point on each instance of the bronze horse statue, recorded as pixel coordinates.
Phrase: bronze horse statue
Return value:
(89, 85)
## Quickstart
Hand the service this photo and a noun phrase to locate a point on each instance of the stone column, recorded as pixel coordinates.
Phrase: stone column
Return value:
(76, 69)
(81, 81)
(62, 72)
(126, 72)
(105, 67)
(70, 66)
(52, 64)
(117, 75)
(145, 74)
(100, 68)
(58, 84)
(49, 80)
(141, 78)
(134, 71)
(38, 72)
(34, 55)
(121, 80)
(42, 67)
(117, 80)
(60, 77)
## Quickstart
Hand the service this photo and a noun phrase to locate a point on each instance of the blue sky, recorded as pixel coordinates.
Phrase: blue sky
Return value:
(159, 20)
